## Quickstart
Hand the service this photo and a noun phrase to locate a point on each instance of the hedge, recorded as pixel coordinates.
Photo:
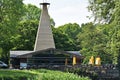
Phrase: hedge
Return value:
(39, 74)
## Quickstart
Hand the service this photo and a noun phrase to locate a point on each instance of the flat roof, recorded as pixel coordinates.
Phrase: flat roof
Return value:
(25, 54)
(18, 53)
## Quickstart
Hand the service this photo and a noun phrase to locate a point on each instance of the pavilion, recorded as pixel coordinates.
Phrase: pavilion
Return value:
(44, 52)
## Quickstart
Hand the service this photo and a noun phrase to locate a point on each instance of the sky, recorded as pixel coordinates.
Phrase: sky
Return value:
(66, 11)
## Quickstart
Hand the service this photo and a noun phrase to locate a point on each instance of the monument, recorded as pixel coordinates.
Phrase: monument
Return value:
(44, 38)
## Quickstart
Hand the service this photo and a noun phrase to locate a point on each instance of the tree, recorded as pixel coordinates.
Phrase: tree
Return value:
(71, 30)
(108, 11)
(116, 37)
(93, 42)
(31, 12)
(114, 33)
(25, 38)
(102, 10)
(27, 29)
(10, 14)
(62, 41)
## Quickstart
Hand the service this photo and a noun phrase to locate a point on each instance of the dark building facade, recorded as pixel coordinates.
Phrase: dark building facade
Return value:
(46, 57)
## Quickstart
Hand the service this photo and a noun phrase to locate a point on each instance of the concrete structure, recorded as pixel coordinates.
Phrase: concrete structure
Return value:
(44, 50)
(44, 37)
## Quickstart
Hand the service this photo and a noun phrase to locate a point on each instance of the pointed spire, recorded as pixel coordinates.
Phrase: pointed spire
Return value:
(44, 37)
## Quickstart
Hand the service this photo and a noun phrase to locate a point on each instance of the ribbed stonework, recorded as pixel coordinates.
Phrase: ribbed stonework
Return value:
(44, 37)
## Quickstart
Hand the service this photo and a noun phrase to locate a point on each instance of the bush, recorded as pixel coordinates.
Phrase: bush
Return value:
(83, 72)
(17, 75)
(40, 74)
(58, 75)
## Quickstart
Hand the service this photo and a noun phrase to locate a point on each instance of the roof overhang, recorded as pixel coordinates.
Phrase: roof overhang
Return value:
(14, 54)
(27, 54)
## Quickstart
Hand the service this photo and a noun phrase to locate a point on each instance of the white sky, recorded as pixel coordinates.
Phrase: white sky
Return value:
(66, 11)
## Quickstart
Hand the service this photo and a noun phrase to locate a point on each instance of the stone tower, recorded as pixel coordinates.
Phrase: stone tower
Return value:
(44, 38)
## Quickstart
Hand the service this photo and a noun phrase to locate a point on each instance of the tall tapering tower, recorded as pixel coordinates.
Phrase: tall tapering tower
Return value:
(44, 38)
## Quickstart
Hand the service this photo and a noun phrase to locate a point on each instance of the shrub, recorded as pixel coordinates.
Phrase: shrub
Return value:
(40, 74)
(17, 75)
(58, 75)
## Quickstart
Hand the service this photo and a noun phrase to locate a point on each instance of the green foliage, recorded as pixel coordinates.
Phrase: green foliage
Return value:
(116, 33)
(102, 10)
(93, 42)
(0, 52)
(84, 71)
(10, 14)
(18, 75)
(108, 11)
(62, 41)
(25, 38)
(70, 31)
(58, 75)
(31, 12)
(26, 29)
(40, 74)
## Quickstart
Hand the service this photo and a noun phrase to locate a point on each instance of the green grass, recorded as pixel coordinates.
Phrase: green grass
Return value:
(39, 74)
(18, 75)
